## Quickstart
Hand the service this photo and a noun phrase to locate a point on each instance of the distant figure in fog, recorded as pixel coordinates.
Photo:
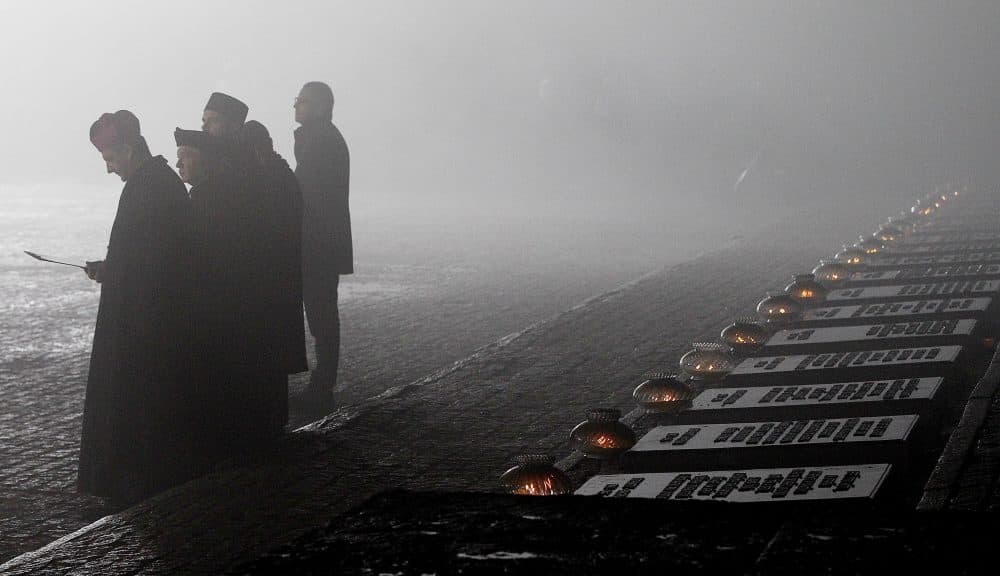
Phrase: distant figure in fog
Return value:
(225, 265)
(135, 413)
(278, 227)
(323, 170)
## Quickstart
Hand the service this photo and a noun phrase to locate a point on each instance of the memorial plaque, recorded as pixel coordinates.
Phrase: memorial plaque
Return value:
(746, 486)
(904, 310)
(835, 400)
(801, 442)
(940, 237)
(909, 291)
(979, 246)
(790, 369)
(925, 273)
(868, 336)
(908, 261)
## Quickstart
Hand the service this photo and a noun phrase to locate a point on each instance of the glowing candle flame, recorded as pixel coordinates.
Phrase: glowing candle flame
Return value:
(604, 441)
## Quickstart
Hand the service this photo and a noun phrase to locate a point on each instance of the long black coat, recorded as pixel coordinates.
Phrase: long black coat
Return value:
(323, 167)
(278, 201)
(138, 394)
(235, 362)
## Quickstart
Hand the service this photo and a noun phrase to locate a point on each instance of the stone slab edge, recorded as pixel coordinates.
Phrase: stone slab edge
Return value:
(949, 465)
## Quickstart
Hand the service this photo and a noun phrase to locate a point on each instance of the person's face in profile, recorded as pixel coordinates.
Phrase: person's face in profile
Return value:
(116, 160)
(308, 106)
(214, 123)
(190, 165)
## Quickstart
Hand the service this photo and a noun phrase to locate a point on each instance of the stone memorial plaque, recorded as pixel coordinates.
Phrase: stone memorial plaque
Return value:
(745, 486)
(925, 273)
(813, 442)
(859, 312)
(791, 369)
(862, 336)
(957, 248)
(834, 400)
(968, 258)
(907, 291)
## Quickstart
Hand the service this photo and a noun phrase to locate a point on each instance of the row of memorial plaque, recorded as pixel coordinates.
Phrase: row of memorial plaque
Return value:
(828, 408)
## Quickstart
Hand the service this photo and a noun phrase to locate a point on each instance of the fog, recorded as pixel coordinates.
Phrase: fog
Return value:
(641, 115)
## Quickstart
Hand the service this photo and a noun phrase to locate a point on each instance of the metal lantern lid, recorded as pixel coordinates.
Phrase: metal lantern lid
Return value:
(779, 308)
(745, 335)
(535, 475)
(852, 256)
(806, 290)
(707, 361)
(870, 244)
(663, 393)
(602, 434)
(831, 273)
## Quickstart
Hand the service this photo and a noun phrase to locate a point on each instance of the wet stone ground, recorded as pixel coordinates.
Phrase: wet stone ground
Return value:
(456, 429)
(400, 321)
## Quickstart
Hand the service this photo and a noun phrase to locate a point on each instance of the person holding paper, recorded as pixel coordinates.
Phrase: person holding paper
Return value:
(136, 411)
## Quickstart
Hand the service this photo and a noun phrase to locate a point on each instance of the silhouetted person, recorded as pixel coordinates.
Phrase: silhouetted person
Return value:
(323, 170)
(136, 409)
(223, 116)
(225, 268)
(278, 226)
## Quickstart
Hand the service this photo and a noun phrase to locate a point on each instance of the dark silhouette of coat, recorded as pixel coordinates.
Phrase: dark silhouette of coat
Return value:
(138, 397)
(231, 331)
(323, 169)
(278, 201)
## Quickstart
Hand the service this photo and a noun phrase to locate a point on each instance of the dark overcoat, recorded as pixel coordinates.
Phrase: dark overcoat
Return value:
(240, 380)
(278, 202)
(323, 169)
(138, 396)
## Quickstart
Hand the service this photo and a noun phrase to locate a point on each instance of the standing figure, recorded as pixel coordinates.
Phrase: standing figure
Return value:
(278, 204)
(135, 414)
(230, 328)
(323, 170)
(224, 116)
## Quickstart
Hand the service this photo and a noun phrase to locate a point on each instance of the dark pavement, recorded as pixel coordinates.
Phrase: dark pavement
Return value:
(456, 429)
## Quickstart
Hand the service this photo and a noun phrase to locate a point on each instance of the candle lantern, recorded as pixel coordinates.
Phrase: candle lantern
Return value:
(535, 475)
(923, 208)
(745, 335)
(852, 257)
(602, 435)
(779, 308)
(889, 233)
(831, 273)
(870, 244)
(663, 393)
(707, 362)
(806, 290)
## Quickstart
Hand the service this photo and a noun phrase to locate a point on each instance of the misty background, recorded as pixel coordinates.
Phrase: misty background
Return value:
(508, 158)
(641, 112)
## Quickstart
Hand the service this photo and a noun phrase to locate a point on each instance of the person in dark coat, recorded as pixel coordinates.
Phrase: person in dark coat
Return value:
(136, 409)
(278, 222)
(323, 170)
(231, 343)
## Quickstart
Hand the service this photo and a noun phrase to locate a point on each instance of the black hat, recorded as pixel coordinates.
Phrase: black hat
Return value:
(228, 106)
(194, 139)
